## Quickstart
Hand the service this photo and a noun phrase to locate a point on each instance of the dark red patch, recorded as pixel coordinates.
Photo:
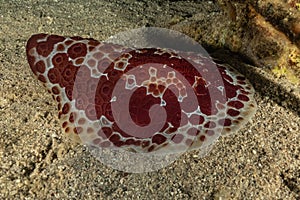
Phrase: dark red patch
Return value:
(40, 67)
(54, 75)
(226, 77)
(72, 118)
(236, 104)
(65, 124)
(233, 113)
(58, 99)
(151, 148)
(119, 143)
(60, 47)
(60, 60)
(145, 144)
(105, 132)
(129, 142)
(33, 40)
(139, 106)
(225, 122)
(158, 139)
(114, 138)
(46, 47)
(69, 92)
(243, 97)
(105, 90)
(77, 50)
(93, 42)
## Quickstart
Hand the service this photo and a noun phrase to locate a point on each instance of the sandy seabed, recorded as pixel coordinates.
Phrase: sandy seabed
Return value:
(261, 161)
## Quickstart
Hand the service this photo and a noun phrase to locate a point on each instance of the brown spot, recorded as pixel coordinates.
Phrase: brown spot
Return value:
(69, 92)
(202, 138)
(66, 108)
(60, 47)
(58, 99)
(68, 42)
(42, 78)
(72, 117)
(65, 124)
(54, 75)
(236, 121)
(151, 148)
(228, 129)
(40, 66)
(58, 108)
(55, 90)
(79, 61)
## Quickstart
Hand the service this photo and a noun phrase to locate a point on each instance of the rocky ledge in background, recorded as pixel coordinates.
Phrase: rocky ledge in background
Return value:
(266, 32)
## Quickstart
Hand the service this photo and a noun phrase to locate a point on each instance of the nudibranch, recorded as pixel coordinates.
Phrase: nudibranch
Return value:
(139, 100)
